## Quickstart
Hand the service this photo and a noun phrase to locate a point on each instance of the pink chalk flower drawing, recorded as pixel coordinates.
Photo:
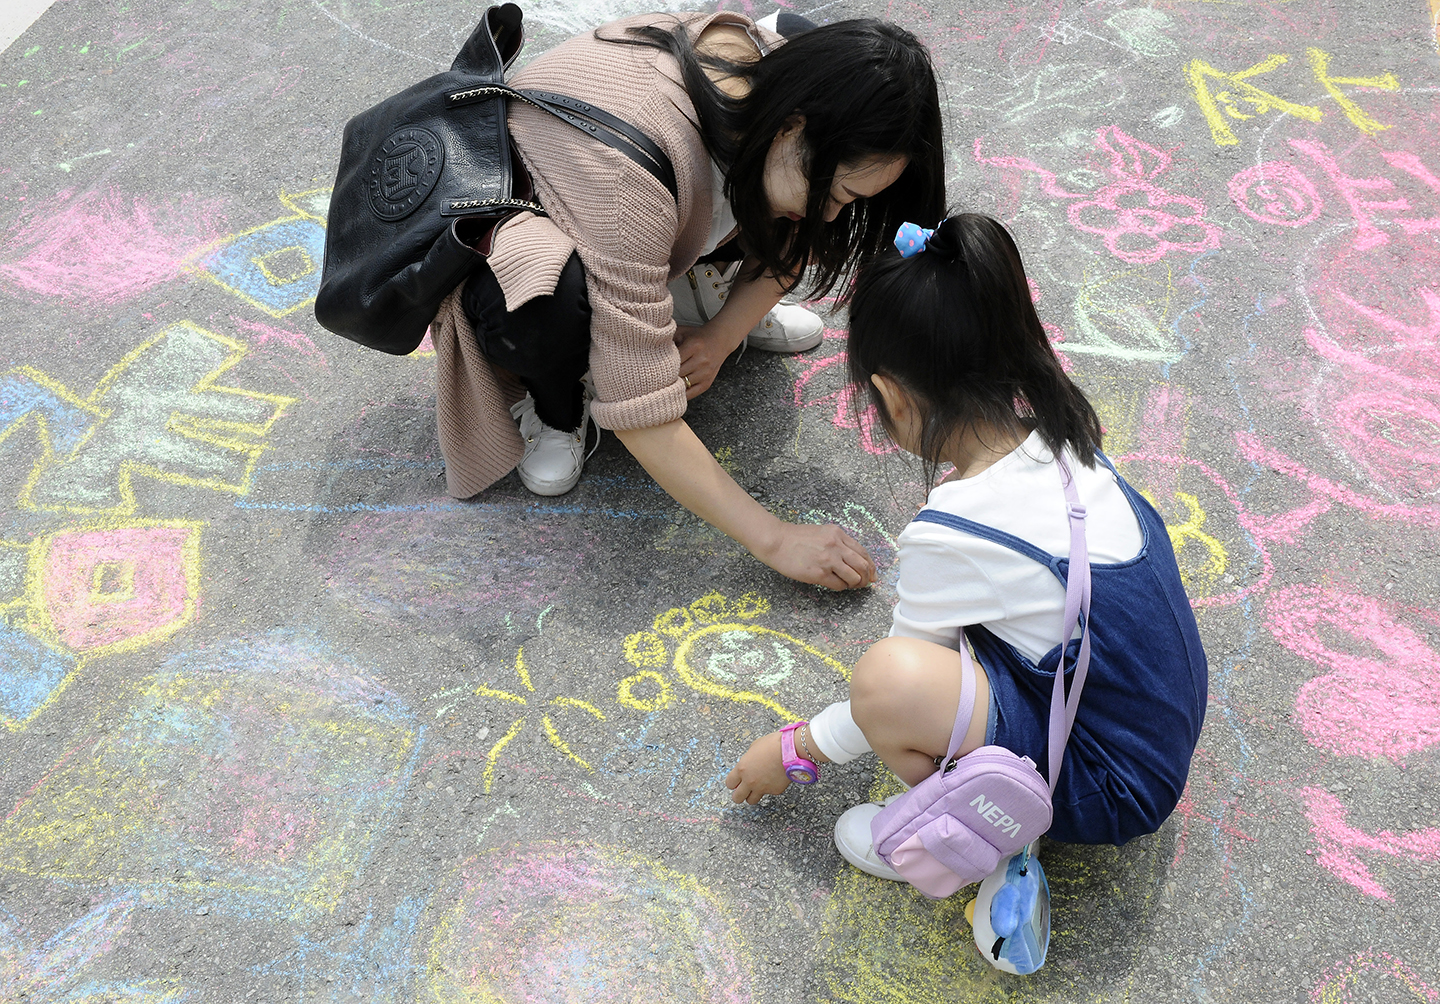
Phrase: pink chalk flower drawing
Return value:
(1139, 221)
(1381, 696)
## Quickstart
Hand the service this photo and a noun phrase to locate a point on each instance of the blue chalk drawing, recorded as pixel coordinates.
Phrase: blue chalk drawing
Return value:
(29, 674)
(275, 267)
(367, 963)
(62, 968)
(24, 391)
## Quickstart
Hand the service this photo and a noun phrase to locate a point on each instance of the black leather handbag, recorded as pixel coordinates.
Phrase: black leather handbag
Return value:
(426, 175)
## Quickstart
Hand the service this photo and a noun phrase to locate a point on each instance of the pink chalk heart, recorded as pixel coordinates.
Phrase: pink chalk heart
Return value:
(1381, 697)
(109, 587)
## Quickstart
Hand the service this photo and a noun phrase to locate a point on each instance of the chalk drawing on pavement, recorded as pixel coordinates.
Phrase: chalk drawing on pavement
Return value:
(710, 647)
(256, 775)
(160, 412)
(66, 967)
(580, 924)
(104, 247)
(274, 267)
(713, 651)
(1139, 221)
(1372, 975)
(1225, 96)
(90, 591)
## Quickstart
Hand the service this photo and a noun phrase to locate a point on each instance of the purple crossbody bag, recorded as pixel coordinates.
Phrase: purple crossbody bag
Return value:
(953, 828)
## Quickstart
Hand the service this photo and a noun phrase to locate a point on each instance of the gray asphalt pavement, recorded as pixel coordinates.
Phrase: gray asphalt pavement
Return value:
(283, 722)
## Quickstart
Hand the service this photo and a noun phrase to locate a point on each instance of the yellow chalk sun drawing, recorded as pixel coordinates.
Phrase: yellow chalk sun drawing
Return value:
(533, 701)
(708, 645)
(717, 654)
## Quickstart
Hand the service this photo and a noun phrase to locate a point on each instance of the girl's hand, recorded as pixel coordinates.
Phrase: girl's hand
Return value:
(760, 772)
(702, 350)
(823, 555)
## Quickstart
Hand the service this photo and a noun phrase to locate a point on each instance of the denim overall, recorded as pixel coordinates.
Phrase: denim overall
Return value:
(1144, 699)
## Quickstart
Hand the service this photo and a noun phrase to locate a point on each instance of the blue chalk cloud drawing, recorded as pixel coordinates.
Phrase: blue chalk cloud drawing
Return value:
(274, 267)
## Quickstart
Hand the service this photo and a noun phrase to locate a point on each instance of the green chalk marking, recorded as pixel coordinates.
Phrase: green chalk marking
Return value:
(30, 51)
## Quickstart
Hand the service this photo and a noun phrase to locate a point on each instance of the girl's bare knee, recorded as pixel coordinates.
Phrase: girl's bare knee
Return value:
(891, 678)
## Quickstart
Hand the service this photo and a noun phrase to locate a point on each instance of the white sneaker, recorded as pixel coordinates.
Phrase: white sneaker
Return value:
(852, 838)
(788, 328)
(553, 458)
(699, 294)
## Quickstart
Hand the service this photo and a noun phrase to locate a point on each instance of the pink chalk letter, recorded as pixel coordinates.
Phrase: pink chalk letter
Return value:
(1367, 234)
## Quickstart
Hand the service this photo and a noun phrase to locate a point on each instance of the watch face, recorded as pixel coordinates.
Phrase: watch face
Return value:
(801, 774)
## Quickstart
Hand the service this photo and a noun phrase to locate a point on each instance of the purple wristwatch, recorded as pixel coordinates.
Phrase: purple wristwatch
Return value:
(797, 768)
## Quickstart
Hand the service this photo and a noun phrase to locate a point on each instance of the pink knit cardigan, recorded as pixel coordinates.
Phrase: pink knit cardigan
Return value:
(632, 237)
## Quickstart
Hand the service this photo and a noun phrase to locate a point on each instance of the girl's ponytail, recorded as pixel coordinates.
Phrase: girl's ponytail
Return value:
(955, 325)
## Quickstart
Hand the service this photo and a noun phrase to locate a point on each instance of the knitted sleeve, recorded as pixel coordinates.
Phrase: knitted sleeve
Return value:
(634, 362)
(630, 233)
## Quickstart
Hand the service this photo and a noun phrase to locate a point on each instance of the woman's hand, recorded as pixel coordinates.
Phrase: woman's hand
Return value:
(702, 350)
(760, 771)
(823, 555)
(680, 463)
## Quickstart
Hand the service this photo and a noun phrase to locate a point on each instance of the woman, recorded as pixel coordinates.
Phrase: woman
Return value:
(825, 144)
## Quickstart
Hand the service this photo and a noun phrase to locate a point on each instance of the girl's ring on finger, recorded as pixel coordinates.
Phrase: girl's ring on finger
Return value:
(687, 383)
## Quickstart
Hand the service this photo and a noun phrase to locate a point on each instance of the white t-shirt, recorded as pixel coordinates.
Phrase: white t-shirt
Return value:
(722, 217)
(950, 579)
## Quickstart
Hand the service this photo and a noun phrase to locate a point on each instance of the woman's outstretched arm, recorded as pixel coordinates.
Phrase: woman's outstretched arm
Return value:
(679, 462)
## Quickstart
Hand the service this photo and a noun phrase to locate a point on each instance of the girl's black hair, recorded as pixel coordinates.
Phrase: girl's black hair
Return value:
(864, 87)
(956, 327)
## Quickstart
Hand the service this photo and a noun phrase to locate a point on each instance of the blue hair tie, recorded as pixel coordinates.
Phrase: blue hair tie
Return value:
(910, 239)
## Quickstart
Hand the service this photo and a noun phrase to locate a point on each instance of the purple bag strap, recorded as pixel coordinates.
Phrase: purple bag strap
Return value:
(1077, 602)
(967, 700)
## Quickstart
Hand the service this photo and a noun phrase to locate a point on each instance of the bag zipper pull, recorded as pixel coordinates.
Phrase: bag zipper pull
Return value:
(695, 291)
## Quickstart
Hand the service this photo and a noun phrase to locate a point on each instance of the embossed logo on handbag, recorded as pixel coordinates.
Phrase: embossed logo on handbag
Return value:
(404, 172)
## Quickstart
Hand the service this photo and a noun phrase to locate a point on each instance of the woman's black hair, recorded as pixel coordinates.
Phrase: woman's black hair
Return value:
(956, 327)
(864, 88)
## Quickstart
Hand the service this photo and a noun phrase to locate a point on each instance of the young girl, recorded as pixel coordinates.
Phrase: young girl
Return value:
(946, 337)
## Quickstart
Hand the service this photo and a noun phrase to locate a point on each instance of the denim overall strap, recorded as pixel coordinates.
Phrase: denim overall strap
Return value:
(995, 536)
(1077, 612)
